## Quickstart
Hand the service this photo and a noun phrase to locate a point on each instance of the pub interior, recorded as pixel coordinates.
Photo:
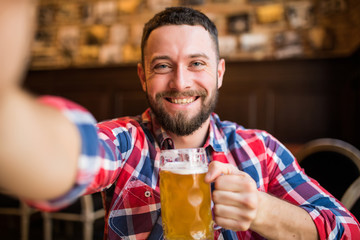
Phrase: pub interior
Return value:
(292, 69)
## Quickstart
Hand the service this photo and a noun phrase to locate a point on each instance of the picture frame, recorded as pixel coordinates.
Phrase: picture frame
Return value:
(239, 23)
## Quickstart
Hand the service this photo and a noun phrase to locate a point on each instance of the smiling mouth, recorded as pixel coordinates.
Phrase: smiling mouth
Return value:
(182, 101)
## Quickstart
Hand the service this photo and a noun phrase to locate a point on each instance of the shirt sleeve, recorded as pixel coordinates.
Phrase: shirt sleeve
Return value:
(289, 182)
(88, 162)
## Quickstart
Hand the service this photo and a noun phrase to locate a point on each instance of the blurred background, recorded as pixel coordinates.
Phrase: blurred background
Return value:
(293, 67)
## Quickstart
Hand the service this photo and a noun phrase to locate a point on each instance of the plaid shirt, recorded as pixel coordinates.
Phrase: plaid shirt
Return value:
(124, 153)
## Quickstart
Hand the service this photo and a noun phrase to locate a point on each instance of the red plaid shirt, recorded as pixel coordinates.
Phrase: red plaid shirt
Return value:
(123, 153)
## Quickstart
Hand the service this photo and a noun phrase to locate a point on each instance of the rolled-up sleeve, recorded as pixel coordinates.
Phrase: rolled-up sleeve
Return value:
(289, 182)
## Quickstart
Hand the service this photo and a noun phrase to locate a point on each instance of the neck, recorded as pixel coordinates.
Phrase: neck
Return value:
(196, 139)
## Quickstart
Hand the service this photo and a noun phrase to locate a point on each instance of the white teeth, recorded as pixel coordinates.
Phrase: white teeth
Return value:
(183, 101)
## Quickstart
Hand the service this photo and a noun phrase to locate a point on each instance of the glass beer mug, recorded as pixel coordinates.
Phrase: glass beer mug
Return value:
(185, 197)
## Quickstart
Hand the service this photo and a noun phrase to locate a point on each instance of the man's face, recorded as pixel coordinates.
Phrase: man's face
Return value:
(181, 76)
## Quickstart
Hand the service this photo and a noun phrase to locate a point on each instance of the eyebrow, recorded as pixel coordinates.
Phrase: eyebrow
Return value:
(161, 57)
(203, 55)
(165, 57)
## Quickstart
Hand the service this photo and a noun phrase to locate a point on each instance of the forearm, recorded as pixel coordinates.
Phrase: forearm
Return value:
(39, 147)
(278, 219)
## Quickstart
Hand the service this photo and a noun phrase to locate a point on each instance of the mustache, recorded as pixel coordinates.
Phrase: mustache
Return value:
(176, 94)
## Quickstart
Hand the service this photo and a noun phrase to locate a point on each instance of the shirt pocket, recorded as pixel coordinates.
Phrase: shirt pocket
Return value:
(135, 211)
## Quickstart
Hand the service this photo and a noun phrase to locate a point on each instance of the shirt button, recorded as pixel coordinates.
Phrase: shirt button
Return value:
(147, 194)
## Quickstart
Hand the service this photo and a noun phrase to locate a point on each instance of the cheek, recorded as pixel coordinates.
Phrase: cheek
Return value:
(154, 86)
(207, 79)
(156, 83)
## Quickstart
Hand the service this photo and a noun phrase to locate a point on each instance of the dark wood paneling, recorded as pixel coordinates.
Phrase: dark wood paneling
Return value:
(130, 103)
(240, 107)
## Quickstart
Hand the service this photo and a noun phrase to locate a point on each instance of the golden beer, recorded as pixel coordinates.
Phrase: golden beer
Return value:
(185, 203)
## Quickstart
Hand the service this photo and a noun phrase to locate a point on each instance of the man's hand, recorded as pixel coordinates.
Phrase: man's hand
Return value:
(236, 197)
(239, 206)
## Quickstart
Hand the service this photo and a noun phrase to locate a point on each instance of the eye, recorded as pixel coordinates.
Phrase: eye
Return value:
(197, 65)
(162, 68)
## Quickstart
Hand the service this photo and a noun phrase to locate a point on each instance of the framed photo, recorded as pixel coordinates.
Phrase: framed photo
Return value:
(110, 54)
(239, 23)
(96, 35)
(286, 38)
(288, 44)
(105, 12)
(118, 33)
(270, 13)
(43, 38)
(46, 15)
(68, 41)
(300, 14)
(254, 42)
(289, 52)
(321, 38)
(228, 45)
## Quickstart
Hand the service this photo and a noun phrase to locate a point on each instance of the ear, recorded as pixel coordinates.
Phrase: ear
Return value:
(221, 71)
(141, 74)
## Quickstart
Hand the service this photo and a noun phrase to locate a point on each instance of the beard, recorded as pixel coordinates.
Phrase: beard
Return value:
(179, 123)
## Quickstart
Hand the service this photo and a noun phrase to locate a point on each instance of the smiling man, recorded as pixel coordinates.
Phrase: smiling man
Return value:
(181, 75)
(259, 189)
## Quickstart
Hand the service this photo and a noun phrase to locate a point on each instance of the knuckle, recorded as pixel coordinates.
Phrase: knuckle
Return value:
(250, 201)
(216, 196)
(238, 226)
(217, 183)
(248, 217)
(221, 222)
(249, 186)
(218, 209)
(243, 226)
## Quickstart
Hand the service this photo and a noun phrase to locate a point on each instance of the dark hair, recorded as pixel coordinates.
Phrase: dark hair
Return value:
(179, 16)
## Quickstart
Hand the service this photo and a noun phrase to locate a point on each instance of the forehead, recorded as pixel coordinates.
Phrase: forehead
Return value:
(177, 40)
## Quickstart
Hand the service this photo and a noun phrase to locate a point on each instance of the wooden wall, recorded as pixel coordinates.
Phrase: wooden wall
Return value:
(296, 100)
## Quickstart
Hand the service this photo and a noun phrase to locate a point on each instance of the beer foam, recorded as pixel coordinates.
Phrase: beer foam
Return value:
(183, 168)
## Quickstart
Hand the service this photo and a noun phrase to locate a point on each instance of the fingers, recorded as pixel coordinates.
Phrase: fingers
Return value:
(217, 169)
(229, 177)
(233, 210)
(241, 182)
(233, 224)
(244, 200)
(235, 196)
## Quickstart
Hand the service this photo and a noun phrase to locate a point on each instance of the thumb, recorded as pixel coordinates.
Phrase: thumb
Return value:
(217, 169)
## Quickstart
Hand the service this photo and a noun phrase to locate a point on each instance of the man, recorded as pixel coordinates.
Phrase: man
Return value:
(260, 191)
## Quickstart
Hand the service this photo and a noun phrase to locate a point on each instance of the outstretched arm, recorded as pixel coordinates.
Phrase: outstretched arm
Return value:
(39, 147)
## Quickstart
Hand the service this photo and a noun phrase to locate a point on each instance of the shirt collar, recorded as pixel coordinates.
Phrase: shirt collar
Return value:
(162, 138)
(216, 138)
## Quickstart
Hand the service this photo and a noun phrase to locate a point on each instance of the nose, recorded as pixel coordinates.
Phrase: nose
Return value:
(181, 79)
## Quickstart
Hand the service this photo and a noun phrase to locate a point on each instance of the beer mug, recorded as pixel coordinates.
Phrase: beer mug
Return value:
(185, 197)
